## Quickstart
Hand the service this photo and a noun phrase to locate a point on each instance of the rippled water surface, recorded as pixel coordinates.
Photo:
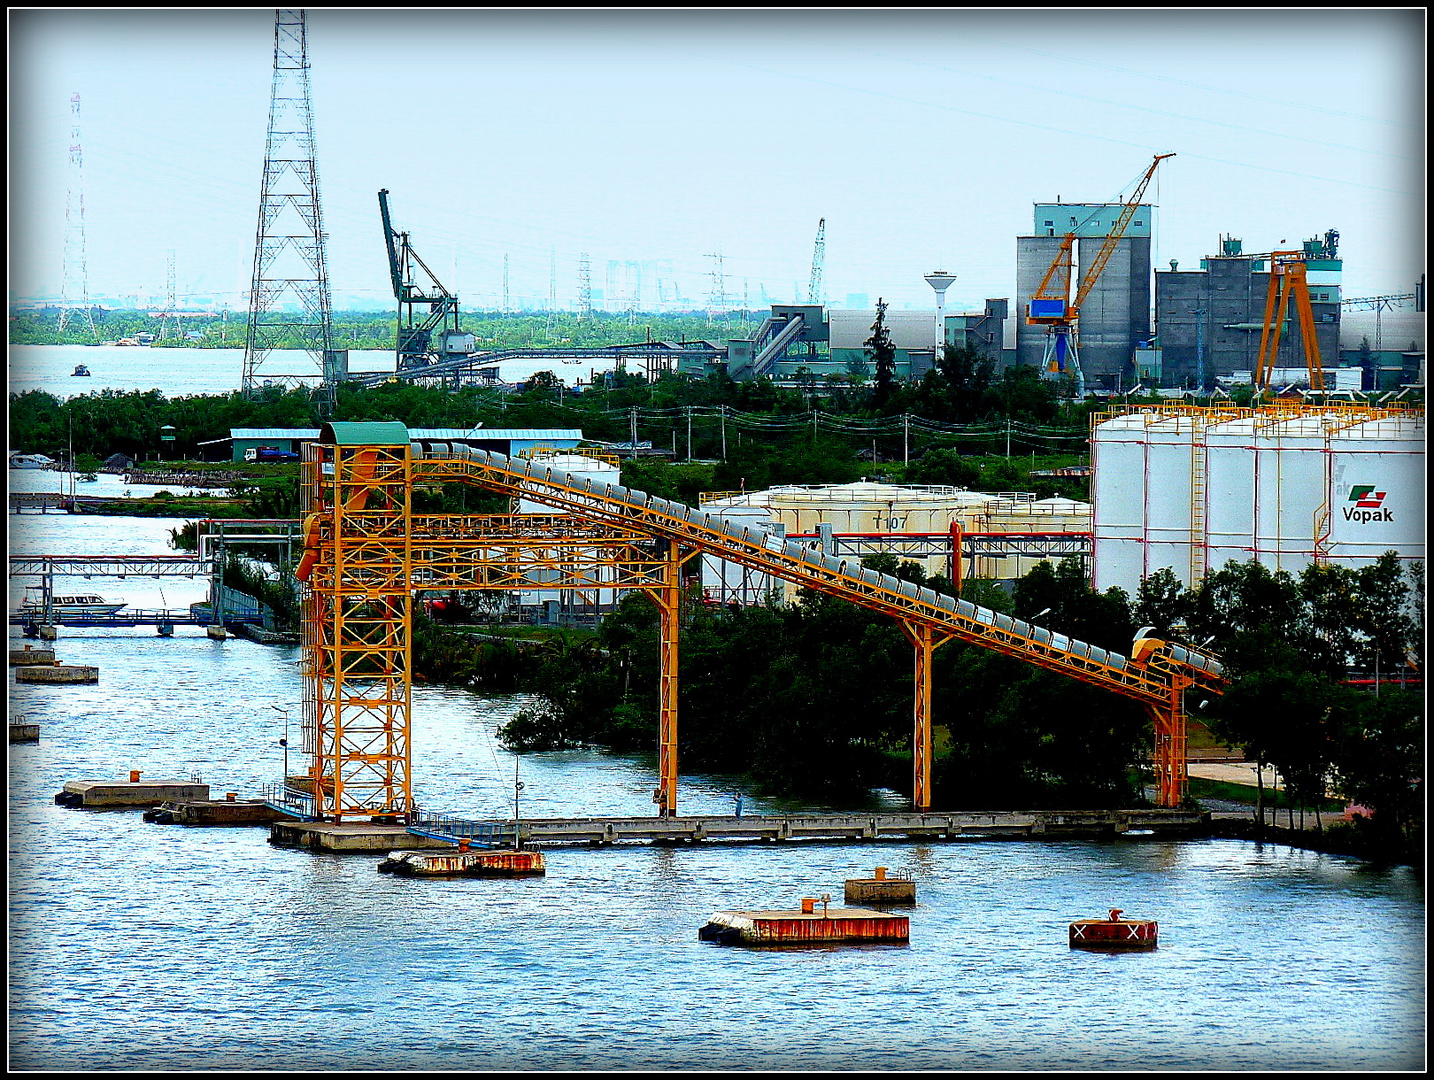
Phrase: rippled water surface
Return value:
(140, 946)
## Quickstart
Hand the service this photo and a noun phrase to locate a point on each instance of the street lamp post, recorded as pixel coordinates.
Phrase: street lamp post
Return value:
(284, 742)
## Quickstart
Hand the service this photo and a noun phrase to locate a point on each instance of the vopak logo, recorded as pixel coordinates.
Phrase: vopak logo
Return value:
(1368, 505)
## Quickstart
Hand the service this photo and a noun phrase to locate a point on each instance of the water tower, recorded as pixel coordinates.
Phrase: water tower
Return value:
(940, 280)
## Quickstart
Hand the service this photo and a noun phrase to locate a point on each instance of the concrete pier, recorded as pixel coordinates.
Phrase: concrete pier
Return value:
(881, 889)
(459, 862)
(128, 795)
(57, 674)
(601, 832)
(24, 732)
(962, 826)
(812, 925)
(28, 657)
(356, 837)
(214, 812)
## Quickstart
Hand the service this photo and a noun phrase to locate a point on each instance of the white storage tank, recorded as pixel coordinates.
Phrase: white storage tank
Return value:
(1287, 486)
(1376, 501)
(1119, 478)
(580, 467)
(1229, 493)
(726, 582)
(923, 512)
(1290, 489)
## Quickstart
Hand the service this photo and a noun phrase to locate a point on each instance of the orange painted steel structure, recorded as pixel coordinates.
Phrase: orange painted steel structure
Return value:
(365, 553)
(1288, 280)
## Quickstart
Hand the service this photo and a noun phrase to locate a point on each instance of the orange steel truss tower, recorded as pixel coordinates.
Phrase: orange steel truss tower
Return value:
(366, 552)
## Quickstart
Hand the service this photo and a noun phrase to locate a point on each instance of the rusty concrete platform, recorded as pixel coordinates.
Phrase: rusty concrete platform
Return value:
(808, 926)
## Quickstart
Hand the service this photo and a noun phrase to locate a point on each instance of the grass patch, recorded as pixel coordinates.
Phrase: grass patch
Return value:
(1246, 793)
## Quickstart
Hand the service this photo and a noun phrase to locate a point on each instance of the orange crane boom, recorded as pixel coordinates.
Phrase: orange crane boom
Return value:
(1051, 306)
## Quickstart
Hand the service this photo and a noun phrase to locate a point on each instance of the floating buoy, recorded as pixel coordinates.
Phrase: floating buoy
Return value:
(1114, 933)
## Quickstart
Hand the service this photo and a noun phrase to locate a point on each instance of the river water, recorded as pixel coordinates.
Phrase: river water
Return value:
(135, 946)
(180, 372)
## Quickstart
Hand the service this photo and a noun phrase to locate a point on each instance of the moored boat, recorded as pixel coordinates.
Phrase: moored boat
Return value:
(75, 604)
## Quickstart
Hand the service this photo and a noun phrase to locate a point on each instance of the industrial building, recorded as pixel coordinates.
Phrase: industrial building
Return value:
(1210, 320)
(832, 341)
(1191, 489)
(509, 441)
(1115, 316)
(920, 523)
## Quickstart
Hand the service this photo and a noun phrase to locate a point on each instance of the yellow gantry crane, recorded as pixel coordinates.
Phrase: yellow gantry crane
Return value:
(1051, 305)
(366, 553)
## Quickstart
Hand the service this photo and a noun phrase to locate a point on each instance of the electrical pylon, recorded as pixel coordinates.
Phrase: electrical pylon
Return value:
(76, 290)
(585, 287)
(168, 321)
(289, 302)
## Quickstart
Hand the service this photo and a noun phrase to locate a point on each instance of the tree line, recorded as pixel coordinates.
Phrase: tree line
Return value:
(814, 699)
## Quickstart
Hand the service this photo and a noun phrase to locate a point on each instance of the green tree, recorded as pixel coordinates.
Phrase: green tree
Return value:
(882, 352)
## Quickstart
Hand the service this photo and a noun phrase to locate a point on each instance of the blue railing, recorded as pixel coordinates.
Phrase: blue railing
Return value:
(488, 834)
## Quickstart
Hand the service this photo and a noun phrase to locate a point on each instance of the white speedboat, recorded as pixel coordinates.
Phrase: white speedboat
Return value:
(30, 461)
(75, 604)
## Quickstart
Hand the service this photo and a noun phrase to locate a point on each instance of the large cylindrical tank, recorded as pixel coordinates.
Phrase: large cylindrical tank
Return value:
(1376, 494)
(579, 467)
(1117, 489)
(725, 582)
(1286, 486)
(1290, 490)
(1228, 509)
(1171, 466)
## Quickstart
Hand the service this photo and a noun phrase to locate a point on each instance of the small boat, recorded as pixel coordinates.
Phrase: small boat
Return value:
(30, 461)
(76, 604)
(80, 369)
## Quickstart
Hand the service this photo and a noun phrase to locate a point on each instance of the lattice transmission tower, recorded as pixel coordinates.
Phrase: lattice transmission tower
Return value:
(585, 287)
(289, 302)
(168, 321)
(76, 288)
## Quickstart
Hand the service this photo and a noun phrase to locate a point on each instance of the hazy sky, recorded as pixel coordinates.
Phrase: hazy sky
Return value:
(923, 137)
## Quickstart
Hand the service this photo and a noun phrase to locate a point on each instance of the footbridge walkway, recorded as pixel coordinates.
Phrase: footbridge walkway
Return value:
(364, 554)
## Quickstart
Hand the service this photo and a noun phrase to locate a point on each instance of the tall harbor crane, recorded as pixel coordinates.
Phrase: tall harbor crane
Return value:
(1051, 305)
(415, 345)
(819, 254)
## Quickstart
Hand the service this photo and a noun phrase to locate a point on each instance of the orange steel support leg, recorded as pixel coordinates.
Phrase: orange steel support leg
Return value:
(1172, 775)
(925, 641)
(669, 600)
(957, 570)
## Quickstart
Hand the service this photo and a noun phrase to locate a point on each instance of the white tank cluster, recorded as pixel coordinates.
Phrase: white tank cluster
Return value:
(885, 511)
(553, 602)
(1193, 489)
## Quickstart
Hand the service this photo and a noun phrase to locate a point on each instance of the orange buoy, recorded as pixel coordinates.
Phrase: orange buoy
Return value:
(1114, 933)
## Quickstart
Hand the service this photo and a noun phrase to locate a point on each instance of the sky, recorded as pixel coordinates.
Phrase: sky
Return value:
(703, 147)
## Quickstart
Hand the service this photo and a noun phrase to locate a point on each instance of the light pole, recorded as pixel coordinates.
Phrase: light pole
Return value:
(284, 742)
